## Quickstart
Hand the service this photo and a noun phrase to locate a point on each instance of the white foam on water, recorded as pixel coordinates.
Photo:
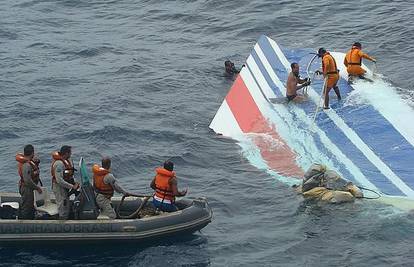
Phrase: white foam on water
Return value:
(384, 97)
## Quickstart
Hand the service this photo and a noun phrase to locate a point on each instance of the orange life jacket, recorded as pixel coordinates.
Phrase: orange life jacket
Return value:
(162, 184)
(332, 69)
(67, 173)
(35, 169)
(353, 57)
(99, 174)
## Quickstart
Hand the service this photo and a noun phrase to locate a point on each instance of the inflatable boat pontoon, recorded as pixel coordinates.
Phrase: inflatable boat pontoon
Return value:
(193, 215)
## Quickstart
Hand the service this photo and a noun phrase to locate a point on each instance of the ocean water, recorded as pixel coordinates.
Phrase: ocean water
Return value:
(140, 81)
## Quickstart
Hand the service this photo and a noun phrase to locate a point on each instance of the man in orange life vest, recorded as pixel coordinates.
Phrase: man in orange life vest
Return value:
(62, 180)
(105, 184)
(353, 62)
(330, 73)
(166, 189)
(28, 169)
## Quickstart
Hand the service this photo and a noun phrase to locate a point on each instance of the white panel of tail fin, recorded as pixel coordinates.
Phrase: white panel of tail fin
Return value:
(224, 122)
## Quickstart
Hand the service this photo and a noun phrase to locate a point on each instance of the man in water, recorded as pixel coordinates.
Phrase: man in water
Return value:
(292, 84)
(330, 73)
(230, 68)
(166, 189)
(105, 184)
(353, 62)
(28, 169)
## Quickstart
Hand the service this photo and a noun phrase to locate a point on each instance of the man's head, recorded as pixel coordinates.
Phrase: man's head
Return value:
(357, 44)
(106, 163)
(28, 151)
(295, 68)
(321, 52)
(229, 66)
(65, 152)
(169, 165)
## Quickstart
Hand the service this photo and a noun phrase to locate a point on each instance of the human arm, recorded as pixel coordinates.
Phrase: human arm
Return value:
(59, 171)
(326, 65)
(345, 60)
(152, 185)
(235, 70)
(291, 85)
(110, 179)
(27, 178)
(174, 188)
(302, 83)
(362, 54)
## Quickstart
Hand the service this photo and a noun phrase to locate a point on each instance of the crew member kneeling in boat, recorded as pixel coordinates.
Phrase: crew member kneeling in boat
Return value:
(353, 62)
(326, 185)
(292, 84)
(105, 184)
(28, 169)
(166, 189)
(62, 180)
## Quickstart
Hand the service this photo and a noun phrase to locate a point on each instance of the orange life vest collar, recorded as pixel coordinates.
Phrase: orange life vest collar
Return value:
(68, 172)
(165, 172)
(21, 159)
(99, 174)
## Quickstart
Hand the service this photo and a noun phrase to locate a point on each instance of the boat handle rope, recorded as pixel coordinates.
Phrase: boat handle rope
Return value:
(136, 212)
(370, 190)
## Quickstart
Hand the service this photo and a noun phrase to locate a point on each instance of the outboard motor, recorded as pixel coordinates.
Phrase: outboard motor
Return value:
(84, 205)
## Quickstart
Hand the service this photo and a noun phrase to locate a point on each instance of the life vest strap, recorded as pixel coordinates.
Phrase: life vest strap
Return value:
(164, 192)
(105, 192)
(162, 200)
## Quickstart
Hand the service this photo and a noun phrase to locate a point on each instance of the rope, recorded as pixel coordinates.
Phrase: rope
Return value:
(370, 190)
(374, 70)
(320, 101)
(305, 89)
(136, 212)
(309, 64)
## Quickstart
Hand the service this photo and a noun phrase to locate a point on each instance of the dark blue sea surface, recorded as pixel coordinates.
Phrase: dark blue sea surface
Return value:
(140, 81)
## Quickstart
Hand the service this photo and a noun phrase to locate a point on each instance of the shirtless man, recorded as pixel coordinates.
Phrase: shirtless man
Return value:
(292, 84)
